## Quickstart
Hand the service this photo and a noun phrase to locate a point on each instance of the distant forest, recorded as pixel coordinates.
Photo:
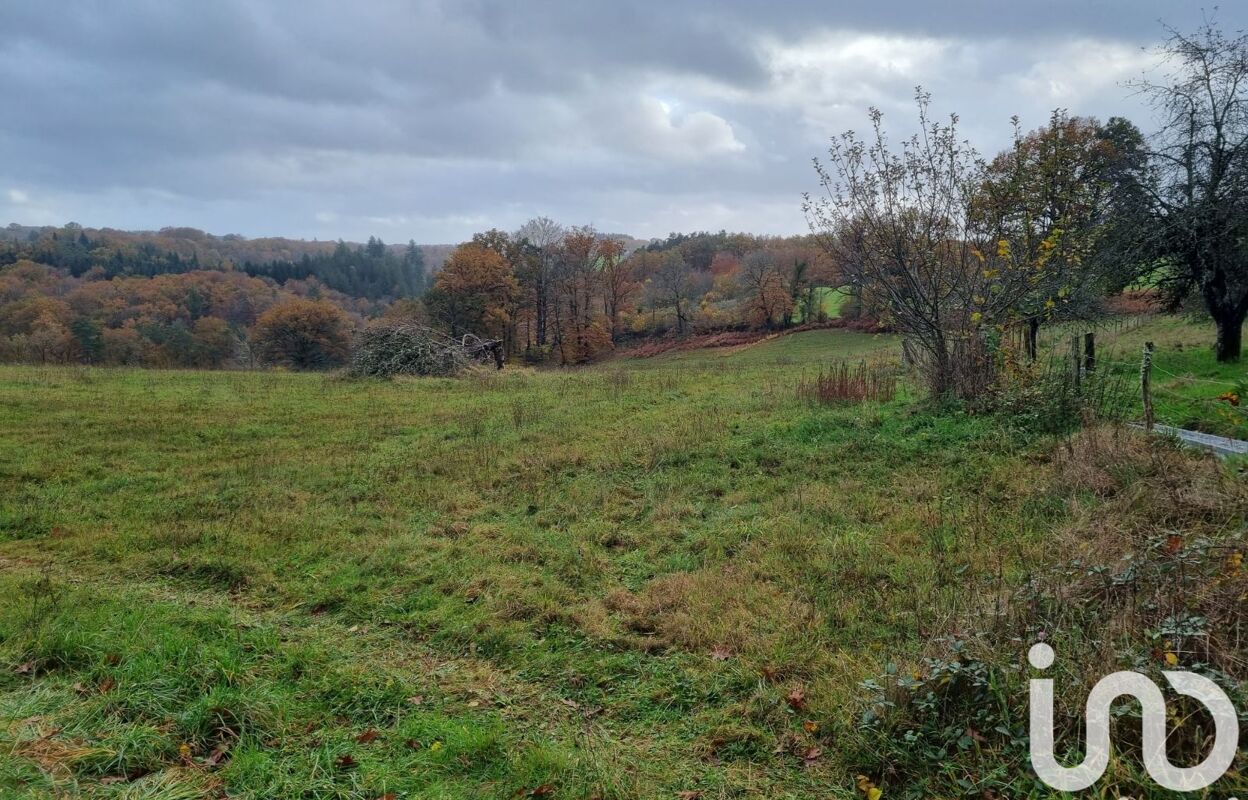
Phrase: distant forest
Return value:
(373, 271)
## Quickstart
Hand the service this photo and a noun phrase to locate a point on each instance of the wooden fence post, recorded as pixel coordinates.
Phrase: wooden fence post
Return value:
(1089, 351)
(1146, 385)
(1076, 360)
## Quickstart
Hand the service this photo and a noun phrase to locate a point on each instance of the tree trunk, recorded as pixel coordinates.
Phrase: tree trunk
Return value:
(940, 375)
(1230, 336)
(1033, 331)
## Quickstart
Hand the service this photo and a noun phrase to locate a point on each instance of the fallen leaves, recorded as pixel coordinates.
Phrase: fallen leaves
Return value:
(346, 761)
(720, 653)
(218, 753)
(370, 735)
(796, 699)
(868, 788)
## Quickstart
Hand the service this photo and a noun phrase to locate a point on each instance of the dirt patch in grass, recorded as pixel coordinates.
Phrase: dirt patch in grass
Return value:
(737, 339)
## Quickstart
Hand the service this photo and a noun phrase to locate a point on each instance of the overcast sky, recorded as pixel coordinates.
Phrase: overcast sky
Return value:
(432, 120)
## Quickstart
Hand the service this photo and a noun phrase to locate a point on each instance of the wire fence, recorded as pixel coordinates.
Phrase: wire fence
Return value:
(1224, 405)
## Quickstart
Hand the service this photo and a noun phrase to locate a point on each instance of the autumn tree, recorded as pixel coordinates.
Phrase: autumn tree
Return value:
(50, 341)
(302, 334)
(576, 285)
(1044, 201)
(1198, 196)
(673, 285)
(213, 342)
(519, 255)
(472, 293)
(767, 298)
(619, 285)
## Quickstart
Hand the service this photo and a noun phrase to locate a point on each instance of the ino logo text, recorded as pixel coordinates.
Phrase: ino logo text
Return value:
(1102, 696)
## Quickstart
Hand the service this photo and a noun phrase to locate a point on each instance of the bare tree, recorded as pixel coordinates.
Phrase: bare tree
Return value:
(1199, 195)
(767, 297)
(901, 223)
(544, 236)
(618, 284)
(673, 283)
(575, 282)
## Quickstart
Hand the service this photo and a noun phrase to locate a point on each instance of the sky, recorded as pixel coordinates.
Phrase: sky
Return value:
(434, 119)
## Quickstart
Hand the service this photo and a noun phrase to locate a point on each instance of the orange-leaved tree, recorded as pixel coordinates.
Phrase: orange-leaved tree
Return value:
(473, 292)
(302, 334)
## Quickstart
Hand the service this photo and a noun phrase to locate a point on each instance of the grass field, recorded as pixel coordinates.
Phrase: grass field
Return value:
(648, 578)
(830, 301)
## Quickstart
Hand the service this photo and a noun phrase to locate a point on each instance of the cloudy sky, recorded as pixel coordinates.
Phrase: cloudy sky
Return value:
(432, 119)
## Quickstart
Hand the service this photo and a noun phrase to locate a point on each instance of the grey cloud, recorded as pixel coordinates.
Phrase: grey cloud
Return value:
(431, 118)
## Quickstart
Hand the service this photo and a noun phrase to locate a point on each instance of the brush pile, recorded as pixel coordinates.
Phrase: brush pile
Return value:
(383, 351)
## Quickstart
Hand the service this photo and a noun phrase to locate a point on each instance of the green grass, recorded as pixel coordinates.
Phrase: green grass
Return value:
(776, 355)
(605, 581)
(831, 299)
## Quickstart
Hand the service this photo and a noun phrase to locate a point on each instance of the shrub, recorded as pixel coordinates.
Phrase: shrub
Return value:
(1046, 398)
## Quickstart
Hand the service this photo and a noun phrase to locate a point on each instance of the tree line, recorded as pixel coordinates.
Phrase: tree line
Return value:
(551, 292)
(206, 319)
(375, 270)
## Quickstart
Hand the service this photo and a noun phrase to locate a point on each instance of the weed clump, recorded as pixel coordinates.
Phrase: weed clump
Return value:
(844, 384)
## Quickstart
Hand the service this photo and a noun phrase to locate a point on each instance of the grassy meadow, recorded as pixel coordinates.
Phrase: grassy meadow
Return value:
(664, 577)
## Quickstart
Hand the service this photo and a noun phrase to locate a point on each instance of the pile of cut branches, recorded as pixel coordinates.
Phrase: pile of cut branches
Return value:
(384, 351)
